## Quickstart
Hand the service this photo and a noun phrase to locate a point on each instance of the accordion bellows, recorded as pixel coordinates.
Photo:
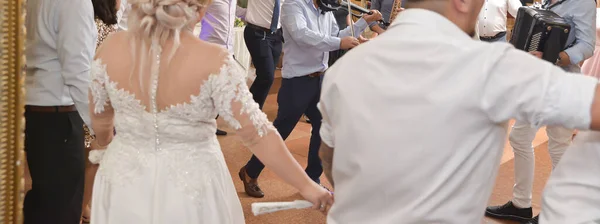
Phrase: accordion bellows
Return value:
(540, 30)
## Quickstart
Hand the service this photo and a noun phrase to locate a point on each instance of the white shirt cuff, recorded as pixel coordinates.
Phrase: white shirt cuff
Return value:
(571, 107)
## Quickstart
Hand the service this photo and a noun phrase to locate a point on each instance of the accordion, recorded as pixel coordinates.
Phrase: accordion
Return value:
(540, 30)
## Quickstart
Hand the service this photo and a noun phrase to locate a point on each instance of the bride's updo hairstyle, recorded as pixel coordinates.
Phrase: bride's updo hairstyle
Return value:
(156, 21)
(163, 19)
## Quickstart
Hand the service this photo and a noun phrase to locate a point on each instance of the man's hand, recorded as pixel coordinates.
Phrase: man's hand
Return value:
(537, 54)
(362, 39)
(375, 16)
(348, 42)
(564, 59)
(399, 10)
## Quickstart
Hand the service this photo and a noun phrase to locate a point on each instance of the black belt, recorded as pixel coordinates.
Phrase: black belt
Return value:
(51, 109)
(268, 31)
(498, 35)
(315, 74)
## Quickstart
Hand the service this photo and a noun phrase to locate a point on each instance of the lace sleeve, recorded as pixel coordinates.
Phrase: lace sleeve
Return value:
(233, 101)
(98, 94)
(101, 112)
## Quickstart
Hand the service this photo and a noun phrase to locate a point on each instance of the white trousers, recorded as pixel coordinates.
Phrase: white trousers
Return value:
(521, 138)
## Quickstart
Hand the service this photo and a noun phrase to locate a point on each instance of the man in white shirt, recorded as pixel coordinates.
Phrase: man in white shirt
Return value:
(440, 103)
(572, 194)
(581, 15)
(61, 41)
(492, 19)
(264, 39)
(217, 26)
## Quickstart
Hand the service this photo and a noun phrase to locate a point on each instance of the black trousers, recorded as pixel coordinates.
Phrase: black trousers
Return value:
(54, 143)
(297, 96)
(335, 55)
(265, 49)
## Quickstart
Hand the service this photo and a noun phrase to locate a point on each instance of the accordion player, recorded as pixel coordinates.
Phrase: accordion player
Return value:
(540, 30)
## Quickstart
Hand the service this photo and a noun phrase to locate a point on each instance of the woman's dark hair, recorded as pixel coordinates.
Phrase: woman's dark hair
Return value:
(106, 10)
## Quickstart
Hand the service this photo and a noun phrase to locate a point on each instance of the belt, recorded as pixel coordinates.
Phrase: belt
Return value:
(498, 35)
(260, 28)
(315, 74)
(51, 109)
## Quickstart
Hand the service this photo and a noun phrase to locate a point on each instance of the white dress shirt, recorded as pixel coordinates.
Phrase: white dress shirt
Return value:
(61, 42)
(309, 36)
(572, 194)
(492, 18)
(218, 22)
(260, 12)
(440, 103)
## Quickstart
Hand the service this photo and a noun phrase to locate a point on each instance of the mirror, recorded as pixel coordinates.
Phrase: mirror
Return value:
(12, 74)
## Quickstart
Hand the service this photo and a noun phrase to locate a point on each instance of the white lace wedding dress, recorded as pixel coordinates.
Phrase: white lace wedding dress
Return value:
(165, 166)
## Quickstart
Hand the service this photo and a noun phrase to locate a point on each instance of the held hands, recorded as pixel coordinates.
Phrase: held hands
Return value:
(348, 42)
(318, 196)
(375, 16)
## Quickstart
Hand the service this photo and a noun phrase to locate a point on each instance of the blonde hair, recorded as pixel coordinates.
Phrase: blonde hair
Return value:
(153, 22)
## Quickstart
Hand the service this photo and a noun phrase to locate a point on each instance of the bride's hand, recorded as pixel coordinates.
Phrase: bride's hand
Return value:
(321, 198)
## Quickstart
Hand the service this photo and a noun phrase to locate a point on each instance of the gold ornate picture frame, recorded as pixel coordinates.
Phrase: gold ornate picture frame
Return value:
(12, 73)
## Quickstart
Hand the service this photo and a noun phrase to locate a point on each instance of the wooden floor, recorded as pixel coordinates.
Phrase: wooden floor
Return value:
(275, 190)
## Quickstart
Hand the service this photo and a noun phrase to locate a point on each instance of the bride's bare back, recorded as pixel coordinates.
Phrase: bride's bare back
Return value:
(179, 78)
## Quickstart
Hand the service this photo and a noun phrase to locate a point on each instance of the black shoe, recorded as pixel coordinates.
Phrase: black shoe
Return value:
(535, 220)
(509, 212)
(221, 132)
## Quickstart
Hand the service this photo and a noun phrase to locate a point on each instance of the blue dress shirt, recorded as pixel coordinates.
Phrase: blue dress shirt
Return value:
(581, 15)
(309, 35)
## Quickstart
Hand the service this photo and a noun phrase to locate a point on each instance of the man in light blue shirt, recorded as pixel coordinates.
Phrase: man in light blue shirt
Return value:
(310, 34)
(581, 15)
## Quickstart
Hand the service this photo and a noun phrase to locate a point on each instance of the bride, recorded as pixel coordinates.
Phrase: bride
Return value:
(161, 87)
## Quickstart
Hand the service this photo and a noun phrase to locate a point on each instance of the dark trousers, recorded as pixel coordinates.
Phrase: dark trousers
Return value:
(297, 96)
(265, 49)
(335, 55)
(54, 143)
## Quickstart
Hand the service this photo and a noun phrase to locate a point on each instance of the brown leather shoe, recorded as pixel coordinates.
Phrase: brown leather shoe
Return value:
(250, 185)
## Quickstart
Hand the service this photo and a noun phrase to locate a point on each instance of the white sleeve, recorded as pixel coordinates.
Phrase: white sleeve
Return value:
(76, 46)
(526, 88)
(328, 92)
(572, 194)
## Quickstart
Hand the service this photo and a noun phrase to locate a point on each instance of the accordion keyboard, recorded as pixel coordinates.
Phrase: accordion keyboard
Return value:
(535, 42)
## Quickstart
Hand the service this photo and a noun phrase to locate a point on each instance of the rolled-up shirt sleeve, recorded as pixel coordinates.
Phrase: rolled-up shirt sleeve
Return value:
(525, 88)
(76, 43)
